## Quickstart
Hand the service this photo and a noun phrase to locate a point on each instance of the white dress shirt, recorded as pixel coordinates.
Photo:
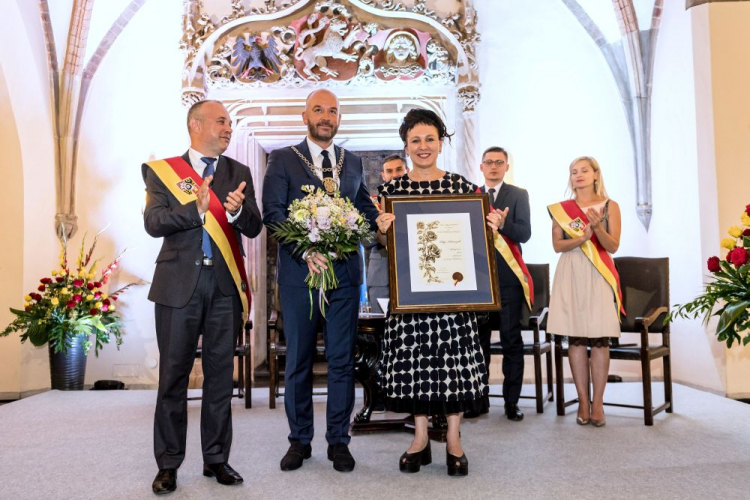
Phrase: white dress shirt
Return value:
(493, 197)
(200, 166)
(316, 152)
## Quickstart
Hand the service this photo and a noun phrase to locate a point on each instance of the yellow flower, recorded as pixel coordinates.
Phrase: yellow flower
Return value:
(98, 305)
(54, 272)
(81, 273)
(735, 231)
(745, 219)
(104, 296)
(64, 291)
(111, 308)
(728, 243)
(27, 298)
(63, 272)
(54, 301)
(90, 276)
(26, 304)
(89, 297)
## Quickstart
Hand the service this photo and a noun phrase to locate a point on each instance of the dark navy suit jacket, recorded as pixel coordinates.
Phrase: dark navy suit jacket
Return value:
(286, 173)
(517, 226)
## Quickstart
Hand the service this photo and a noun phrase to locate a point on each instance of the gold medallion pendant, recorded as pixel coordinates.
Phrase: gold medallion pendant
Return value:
(329, 184)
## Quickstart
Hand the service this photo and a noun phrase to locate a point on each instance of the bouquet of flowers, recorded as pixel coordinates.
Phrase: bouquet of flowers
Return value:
(70, 303)
(729, 288)
(329, 225)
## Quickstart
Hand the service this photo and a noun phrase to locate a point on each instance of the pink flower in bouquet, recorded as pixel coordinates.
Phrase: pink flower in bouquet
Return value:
(351, 220)
(314, 235)
(78, 283)
(77, 298)
(714, 264)
(738, 256)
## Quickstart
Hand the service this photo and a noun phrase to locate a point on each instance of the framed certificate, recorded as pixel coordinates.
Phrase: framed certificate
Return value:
(441, 255)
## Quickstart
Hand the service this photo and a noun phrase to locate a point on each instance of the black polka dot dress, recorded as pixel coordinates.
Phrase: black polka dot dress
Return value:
(432, 363)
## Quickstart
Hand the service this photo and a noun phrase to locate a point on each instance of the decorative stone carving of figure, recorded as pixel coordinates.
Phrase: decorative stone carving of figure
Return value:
(401, 49)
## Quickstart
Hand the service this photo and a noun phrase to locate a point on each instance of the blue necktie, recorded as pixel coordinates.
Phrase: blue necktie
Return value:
(206, 243)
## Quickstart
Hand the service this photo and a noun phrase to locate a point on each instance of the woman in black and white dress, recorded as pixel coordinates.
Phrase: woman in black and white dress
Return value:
(431, 363)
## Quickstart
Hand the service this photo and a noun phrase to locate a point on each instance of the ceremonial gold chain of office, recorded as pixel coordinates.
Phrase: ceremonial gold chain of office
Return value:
(328, 182)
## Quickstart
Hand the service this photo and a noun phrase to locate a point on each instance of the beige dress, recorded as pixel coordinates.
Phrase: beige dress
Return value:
(582, 302)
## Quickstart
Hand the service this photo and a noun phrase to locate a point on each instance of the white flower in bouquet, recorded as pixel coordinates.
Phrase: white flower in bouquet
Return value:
(329, 225)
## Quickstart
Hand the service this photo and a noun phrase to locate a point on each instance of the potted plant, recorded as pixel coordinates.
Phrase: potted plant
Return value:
(67, 310)
(729, 288)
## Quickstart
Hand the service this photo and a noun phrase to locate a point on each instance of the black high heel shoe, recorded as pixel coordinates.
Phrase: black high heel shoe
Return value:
(411, 462)
(462, 469)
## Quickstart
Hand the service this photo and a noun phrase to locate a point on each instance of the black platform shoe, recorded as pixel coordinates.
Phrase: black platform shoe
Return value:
(411, 462)
(462, 469)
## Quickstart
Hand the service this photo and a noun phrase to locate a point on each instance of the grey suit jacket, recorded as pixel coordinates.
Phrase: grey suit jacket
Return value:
(178, 264)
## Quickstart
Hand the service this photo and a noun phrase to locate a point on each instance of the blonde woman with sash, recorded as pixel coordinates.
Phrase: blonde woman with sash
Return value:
(586, 301)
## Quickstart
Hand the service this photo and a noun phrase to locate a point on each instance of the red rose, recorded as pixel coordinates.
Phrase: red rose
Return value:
(738, 256)
(106, 302)
(97, 284)
(71, 304)
(59, 279)
(747, 209)
(90, 286)
(746, 232)
(27, 308)
(41, 288)
(94, 311)
(714, 264)
(78, 283)
(105, 307)
(114, 297)
(77, 298)
(46, 281)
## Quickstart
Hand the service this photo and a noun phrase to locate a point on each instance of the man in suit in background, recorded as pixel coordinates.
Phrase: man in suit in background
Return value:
(198, 287)
(394, 166)
(317, 161)
(512, 204)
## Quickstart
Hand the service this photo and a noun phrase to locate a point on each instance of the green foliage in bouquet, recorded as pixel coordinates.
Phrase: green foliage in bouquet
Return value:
(729, 289)
(71, 303)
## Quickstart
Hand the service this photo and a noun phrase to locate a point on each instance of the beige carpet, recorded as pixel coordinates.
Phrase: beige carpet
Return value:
(97, 445)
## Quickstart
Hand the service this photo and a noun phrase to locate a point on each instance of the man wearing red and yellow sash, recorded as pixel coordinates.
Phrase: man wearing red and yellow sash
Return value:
(201, 204)
(512, 216)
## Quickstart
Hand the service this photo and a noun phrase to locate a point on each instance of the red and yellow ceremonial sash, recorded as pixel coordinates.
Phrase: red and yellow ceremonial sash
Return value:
(511, 253)
(573, 221)
(183, 182)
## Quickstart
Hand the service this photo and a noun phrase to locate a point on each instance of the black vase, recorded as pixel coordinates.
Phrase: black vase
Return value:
(67, 370)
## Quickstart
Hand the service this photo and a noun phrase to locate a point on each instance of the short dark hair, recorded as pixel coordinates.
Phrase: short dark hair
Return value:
(419, 116)
(394, 157)
(495, 149)
(195, 110)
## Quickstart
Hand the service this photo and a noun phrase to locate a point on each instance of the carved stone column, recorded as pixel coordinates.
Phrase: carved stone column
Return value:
(468, 97)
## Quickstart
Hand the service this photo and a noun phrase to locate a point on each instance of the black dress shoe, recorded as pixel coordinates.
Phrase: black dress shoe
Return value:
(165, 481)
(411, 462)
(513, 413)
(296, 453)
(223, 473)
(342, 459)
(457, 466)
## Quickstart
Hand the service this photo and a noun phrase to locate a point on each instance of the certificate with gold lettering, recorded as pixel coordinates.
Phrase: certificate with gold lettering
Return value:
(440, 254)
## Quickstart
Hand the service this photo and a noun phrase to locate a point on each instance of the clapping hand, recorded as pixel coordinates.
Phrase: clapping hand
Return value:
(595, 217)
(203, 195)
(235, 199)
(588, 232)
(496, 219)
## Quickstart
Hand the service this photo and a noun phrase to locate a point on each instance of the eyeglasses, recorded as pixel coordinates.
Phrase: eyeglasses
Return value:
(497, 163)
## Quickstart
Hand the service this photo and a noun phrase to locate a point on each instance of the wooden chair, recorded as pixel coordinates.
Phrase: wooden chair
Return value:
(536, 321)
(277, 350)
(645, 290)
(242, 351)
